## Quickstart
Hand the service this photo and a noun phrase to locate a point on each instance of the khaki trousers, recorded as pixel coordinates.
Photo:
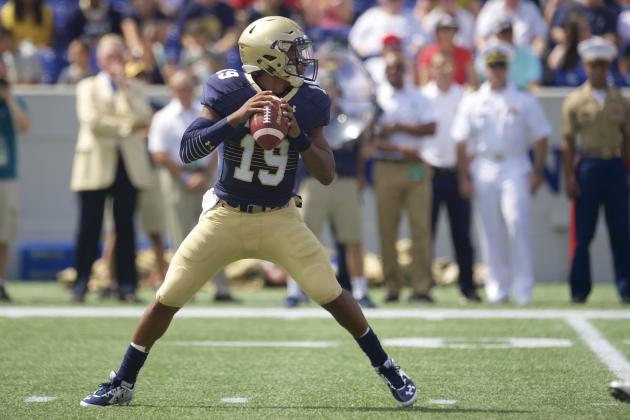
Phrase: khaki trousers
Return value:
(182, 208)
(403, 186)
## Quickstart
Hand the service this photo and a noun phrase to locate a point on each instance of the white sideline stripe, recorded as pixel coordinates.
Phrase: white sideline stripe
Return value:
(235, 400)
(282, 313)
(443, 402)
(290, 344)
(606, 352)
(36, 399)
(476, 342)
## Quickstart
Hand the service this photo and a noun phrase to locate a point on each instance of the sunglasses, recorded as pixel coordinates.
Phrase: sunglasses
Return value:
(599, 63)
(499, 65)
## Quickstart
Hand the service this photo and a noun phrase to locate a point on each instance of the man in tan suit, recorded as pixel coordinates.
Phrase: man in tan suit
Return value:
(110, 159)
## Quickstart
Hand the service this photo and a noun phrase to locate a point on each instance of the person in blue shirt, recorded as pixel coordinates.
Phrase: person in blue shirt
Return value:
(13, 119)
(525, 67)
(251, 211)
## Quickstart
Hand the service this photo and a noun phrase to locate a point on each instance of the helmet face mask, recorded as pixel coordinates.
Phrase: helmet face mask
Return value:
(279, 47)
(300, 58)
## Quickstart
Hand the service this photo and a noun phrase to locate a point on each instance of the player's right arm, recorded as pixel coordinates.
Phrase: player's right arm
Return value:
(208, 131)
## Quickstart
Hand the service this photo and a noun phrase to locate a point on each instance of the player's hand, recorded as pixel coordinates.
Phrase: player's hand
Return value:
(253, 105)
(198, 181)
(535, 181)
(294, 127)
(466, 188)
(572, 188)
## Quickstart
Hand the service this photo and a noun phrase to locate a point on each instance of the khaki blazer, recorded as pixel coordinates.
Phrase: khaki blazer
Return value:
(106, 119)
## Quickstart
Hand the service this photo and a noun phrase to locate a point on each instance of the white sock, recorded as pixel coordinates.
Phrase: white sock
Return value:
(359, 287)
(293, 289)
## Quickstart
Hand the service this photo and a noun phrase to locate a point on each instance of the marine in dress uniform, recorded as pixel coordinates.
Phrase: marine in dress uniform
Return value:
(596, 129)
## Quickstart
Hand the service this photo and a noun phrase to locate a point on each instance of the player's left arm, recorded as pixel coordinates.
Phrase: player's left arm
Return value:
(317, 156)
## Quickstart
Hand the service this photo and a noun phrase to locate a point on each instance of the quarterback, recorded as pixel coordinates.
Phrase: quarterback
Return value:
(251, 211)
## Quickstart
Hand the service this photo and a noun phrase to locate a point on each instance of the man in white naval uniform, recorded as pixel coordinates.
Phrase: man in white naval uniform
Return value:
(495, 128)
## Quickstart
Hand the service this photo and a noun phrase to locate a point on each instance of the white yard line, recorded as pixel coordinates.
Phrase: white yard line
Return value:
(443, 402)
(282, 313)
(235, 400)
(36, 399)
(272, 344)
(606, 352)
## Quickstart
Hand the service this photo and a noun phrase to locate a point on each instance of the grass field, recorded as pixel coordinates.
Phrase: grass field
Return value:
(477, 362)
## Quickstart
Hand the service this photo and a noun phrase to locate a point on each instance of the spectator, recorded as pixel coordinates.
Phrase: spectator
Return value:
(601, 18)
(197, 56)
(375, 66)
(367, 33)
(139, 14)
(465, 36)
(216, 16)
(600, 115)
(262, 8)
(401, 180)
(183, 186)
(529, 26)
(110, 160)
(622, 72)
(496, 126)
(328, 14)
(623, 23)
(79, 68)
(21, 60)
(525, 68)
(340, 201)
(152, 63)
(13, 120)
(564, 60)
(463, 71)
(91, 20)
(440, 152)
(30, 21)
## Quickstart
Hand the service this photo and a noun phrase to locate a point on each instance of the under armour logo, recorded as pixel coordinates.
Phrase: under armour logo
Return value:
(410, 390)
(294, 108)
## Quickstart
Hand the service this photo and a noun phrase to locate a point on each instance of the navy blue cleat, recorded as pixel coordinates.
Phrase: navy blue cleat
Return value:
(114, 392)
(620, 390)
(401, 386)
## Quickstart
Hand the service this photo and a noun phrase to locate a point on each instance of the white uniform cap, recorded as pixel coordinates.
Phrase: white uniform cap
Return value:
(497, 51)
(597, 48)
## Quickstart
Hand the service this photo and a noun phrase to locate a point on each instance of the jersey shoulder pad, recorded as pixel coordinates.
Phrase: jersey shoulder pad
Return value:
(219, 86)
(317, 97)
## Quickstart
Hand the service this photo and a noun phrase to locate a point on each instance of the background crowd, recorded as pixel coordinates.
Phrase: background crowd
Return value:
(53, 41)
(454, 126)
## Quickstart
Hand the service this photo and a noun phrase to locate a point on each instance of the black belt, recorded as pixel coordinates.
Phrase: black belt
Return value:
(256, 208)
(437, 170)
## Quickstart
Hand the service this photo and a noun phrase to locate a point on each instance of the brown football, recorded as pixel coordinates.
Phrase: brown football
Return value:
(269, 127)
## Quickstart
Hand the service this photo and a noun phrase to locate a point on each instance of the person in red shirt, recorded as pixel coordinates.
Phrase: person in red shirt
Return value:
(463, 72)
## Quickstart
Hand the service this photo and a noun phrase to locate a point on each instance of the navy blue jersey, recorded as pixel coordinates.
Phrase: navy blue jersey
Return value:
(248, 174)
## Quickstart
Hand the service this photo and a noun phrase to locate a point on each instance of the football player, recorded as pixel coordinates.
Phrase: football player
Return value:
(250, 212)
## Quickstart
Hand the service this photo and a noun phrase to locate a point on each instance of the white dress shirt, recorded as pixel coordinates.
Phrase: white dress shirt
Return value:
(528, 22)
(367, 33)
(440, 149)
(405, 106)
(168, 126)
(465, 36)
(500, 126)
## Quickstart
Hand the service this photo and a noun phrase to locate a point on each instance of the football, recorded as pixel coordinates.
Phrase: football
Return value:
(269, 127)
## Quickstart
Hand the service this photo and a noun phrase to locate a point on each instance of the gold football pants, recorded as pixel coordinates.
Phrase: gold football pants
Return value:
(224, 235)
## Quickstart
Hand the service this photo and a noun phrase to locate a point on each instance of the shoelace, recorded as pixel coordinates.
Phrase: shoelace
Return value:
(396, 370)
(106, 388)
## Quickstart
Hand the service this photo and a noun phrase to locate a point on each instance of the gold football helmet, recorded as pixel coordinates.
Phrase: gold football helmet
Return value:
(278, 46)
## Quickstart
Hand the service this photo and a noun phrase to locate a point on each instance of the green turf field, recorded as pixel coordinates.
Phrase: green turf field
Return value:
(465, 368)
